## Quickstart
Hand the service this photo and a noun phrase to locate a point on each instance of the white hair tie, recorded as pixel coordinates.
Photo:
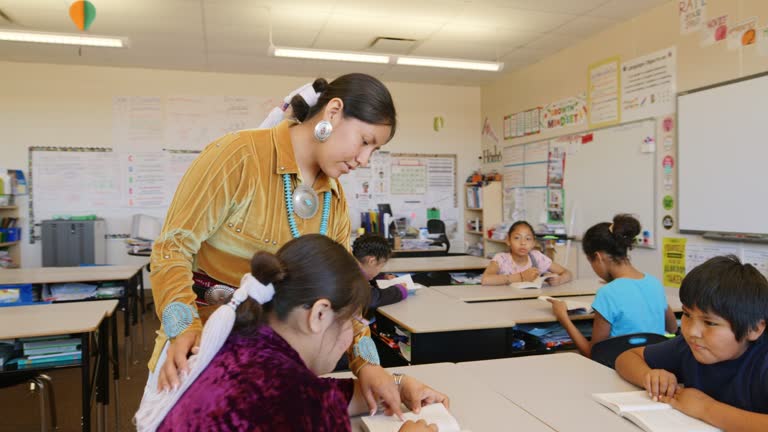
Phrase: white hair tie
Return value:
(251, 287)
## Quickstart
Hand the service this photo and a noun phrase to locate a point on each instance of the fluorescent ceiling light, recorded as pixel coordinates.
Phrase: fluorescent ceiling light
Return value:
(62, 38)
(329, 55)
(449, 63)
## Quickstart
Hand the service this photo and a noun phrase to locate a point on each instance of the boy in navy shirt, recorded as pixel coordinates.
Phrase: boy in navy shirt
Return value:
(717, 371)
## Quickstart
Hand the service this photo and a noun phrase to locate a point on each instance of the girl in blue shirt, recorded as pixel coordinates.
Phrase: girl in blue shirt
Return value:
(631, 301)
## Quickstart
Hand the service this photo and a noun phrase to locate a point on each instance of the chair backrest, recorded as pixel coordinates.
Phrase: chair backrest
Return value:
(605, 352)
(436, 226)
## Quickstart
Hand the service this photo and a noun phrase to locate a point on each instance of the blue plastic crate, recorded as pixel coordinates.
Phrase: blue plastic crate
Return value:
(15, 295)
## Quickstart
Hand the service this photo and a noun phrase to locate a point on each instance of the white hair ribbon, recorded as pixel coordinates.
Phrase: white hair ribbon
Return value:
(251, 287)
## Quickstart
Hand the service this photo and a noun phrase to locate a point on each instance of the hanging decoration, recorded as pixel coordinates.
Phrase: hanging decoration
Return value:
(82, 13)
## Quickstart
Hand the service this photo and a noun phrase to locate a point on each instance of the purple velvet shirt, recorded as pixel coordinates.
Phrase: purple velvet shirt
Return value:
(260, 383)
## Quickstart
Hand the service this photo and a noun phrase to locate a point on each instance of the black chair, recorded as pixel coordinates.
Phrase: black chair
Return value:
(436, 226)
(605, 352)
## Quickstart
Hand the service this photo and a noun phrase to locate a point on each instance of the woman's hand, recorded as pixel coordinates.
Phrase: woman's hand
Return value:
(419, 426)
(416, 394)
(529, 275)
(176, 359)
(376, 383)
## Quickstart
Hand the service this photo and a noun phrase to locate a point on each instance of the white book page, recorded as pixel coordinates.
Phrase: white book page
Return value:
(404, 280)
(629, 401)
(435, 413)
(536, 283)
(668, 420)
(571, 305)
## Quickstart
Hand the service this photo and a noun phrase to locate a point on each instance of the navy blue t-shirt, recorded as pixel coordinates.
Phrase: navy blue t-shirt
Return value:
(741, 383)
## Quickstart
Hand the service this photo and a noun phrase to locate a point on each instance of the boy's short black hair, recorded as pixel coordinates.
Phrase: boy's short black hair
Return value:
(724, 286)
(372, 245)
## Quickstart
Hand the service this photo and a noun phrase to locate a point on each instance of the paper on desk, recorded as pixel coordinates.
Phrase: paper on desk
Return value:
(404, 280)
(435, 413)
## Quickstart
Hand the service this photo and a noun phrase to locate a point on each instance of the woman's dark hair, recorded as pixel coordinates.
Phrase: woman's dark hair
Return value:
(724, 286)
(365, 98)
(372, 245)
(614, 239)
(304, 270)
(518, 224)
(299, 105)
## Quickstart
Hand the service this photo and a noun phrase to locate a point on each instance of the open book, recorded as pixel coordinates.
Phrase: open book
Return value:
(435, 413)
(404, 280)
(637, 407)
(574, 307)
(536, 283)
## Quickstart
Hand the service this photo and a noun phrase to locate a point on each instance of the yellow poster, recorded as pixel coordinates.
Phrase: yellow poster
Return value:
(673, 261)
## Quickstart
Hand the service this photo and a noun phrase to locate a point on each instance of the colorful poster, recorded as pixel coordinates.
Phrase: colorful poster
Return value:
(570, 111)
(696, 254)
(715, 30)
(557, 150)
(692, 15)
(648, 85)
(555, 206)
(603, 98)
(673, 261)
(742, 34)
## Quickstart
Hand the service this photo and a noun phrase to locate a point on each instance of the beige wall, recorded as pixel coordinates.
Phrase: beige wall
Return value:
(565, 74)
(58, 105)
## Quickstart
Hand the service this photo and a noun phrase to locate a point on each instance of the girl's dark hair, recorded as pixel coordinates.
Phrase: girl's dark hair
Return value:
(372, 245)
(304, 270)
(518, 224)
(614, 239)
(365, 98)
(724, 286)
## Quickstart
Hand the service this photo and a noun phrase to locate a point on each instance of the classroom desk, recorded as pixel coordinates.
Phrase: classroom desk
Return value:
(81, 319)
(432, 264)
(443, 328)
(556, 389)
(130, 275)
(474, 404)
(478, 293)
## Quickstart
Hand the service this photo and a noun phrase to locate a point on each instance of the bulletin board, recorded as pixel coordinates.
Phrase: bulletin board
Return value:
(606, 171)
(410, 182)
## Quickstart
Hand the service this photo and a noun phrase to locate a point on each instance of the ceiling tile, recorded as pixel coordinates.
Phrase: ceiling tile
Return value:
(625, 9)
(508, 18)
(574, 7)
(381, 25)
(457, 50)
(584, 26)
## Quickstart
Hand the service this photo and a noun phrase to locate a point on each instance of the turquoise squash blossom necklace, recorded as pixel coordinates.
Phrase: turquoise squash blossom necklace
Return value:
(303, 202)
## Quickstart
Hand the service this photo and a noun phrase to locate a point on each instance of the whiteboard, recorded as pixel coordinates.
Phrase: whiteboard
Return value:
(612, 174)
(722, 158)
(72, 181)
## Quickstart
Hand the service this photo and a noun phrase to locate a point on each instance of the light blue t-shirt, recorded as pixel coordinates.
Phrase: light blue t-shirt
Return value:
(633, 305)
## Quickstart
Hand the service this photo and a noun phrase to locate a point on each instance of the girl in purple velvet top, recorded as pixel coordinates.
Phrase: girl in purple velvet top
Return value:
(291, 324)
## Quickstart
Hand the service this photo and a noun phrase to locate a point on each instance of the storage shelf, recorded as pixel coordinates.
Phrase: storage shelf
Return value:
(8, 243)
(9, 207)
(474, 232)
(473, 208)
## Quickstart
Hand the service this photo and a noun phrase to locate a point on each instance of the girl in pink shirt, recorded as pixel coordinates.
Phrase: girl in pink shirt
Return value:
(522, 263)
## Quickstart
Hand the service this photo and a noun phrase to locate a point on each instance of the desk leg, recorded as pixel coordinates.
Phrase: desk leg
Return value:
(102, 387)
(127, 332)
(115, 368)
(85, 340)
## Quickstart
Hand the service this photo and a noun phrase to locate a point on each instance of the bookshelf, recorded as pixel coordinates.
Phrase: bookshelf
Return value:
(483, 205)
(13, 247)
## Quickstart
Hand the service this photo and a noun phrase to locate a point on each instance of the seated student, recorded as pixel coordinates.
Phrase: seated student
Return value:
(717, 371)
(522, 263)
(291, 320)
(372, 252)
(631, 301)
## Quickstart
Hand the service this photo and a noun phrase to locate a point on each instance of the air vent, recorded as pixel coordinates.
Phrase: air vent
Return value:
(392, 45)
